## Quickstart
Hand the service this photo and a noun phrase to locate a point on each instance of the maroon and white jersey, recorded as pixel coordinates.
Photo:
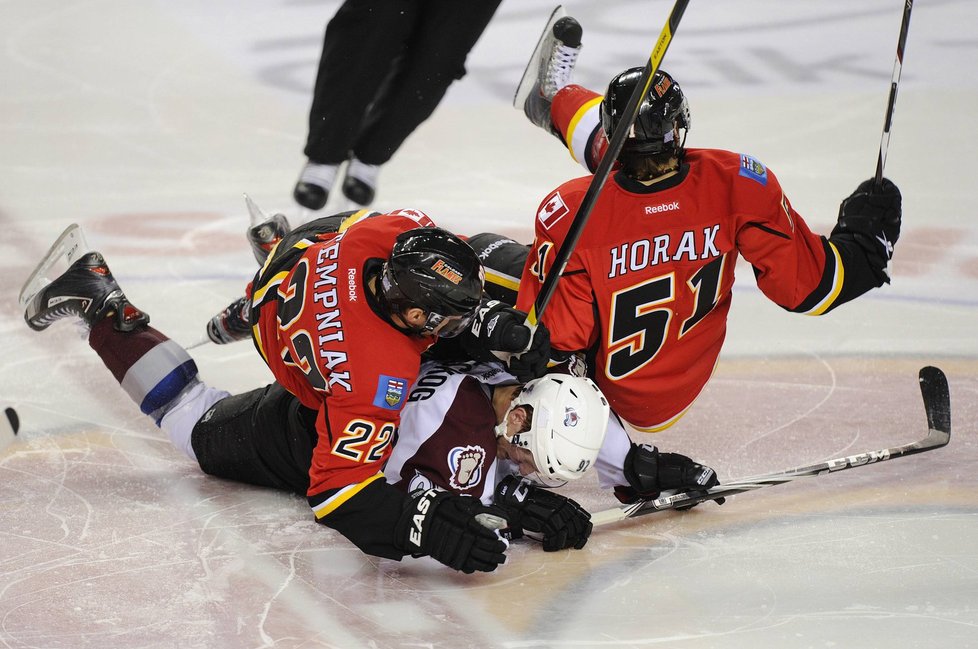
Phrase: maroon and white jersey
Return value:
(446, 437)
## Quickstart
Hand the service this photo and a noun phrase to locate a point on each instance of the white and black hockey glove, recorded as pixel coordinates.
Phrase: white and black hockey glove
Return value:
(458, 531)
(498, 327)
(650, 472)
(872, 217)
(540, 514)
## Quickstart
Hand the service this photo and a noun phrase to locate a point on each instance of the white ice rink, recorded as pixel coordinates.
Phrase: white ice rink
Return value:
(146, 122)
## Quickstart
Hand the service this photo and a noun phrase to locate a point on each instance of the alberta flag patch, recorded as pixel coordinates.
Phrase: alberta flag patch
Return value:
(751, 167)
(390, 392)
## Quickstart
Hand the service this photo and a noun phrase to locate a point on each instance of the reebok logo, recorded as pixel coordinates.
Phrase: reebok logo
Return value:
(492, 246)
(662, 207)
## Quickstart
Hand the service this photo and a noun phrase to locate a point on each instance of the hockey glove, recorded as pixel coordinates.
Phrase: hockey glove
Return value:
(500, 328)
(444, 526)
(872, 218)
(231, 324)
(650, 472)
(542, 515)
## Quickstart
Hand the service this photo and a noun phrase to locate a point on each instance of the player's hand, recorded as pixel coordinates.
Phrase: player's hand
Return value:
(532, 363)
(650, 472)
(873, 216)
(445, 527)
(540, 514)
(501, 328)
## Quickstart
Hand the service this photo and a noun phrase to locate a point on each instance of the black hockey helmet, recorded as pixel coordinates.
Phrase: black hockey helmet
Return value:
(434, 270)
(662, 112)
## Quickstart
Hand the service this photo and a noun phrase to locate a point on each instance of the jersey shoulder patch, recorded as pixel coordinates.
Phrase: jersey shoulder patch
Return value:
(552, 210)
(751, 167)
(390, 392)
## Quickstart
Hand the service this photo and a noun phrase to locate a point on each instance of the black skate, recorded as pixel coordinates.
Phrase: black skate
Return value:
(87, 290)
(315, 182)
(360, 183)
(231, 324)
(549, 68)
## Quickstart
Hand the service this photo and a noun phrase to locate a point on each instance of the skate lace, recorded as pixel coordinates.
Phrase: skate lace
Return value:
(51, 315)
(562, 62)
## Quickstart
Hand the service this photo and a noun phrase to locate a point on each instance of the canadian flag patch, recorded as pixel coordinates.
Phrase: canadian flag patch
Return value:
(552, 211)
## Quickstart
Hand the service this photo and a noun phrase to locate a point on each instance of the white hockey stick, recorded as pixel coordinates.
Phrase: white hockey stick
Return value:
(937, 404)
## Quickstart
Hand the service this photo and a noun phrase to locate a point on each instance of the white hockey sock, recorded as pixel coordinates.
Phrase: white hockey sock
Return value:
(186, 411)
(363, 172)
(320, 175)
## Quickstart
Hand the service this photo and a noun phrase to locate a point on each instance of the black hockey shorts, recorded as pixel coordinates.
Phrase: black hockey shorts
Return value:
(264, 437)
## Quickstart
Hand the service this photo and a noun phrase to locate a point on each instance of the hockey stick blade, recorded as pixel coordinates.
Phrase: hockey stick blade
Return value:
(9, 425)
(937, 405)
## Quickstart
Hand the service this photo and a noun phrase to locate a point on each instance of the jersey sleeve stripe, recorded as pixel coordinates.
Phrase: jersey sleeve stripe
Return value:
(502, 279)
(354, 218)
(332, 503)
(585, 120)
(258, 296)
(838, 276)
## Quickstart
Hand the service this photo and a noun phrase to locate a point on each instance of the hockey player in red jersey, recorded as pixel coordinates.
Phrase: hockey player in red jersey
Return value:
(341, 319)
(647, 290)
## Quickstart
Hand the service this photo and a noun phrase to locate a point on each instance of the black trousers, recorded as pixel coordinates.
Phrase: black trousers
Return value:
(263, 437)
(385, 66)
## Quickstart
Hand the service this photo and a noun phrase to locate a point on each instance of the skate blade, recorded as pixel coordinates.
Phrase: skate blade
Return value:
(70, 246)
(530, 73)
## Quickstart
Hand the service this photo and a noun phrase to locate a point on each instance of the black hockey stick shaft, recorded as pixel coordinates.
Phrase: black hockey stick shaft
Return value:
(604, 167)
(894, 82)
(937, 405)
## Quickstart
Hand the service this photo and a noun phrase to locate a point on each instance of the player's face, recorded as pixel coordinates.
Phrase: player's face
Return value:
(522, 457)
(448, 326)
(518, 420)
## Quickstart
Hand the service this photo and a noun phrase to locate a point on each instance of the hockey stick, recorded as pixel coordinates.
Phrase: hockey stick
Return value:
(604, 167)
(937, 405)
(894, 81)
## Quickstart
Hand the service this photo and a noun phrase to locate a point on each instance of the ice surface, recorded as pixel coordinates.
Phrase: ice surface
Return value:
(147, 121)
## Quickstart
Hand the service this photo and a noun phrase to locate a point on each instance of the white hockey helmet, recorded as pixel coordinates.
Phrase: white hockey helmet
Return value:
(569, 421)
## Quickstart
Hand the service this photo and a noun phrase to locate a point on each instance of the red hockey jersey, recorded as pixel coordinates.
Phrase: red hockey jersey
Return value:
(325, 344)
(648, 287)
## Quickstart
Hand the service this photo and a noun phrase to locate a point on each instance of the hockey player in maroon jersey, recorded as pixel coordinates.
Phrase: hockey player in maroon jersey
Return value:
(473, 428)
(647, 289)
(341, 319)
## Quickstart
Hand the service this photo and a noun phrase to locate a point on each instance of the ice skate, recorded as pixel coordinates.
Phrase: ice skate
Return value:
(549, 68)
(360, 183)
(231, 324)
(265, 232)
(315, 182)
(86, 290)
